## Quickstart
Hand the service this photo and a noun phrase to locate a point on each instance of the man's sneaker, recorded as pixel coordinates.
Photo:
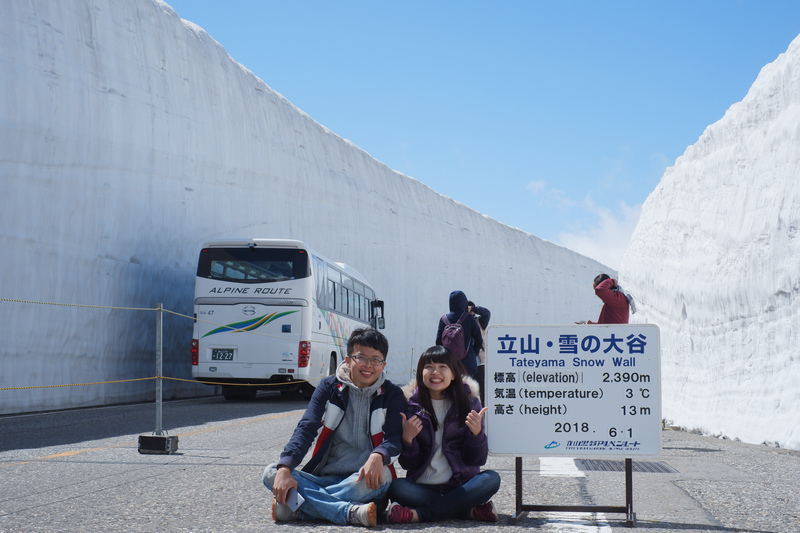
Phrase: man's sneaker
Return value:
(397, 514)
(283, 513)
(484, 512)
(364, 515)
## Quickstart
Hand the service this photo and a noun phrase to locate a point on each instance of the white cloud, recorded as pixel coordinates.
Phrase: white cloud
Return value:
(536, 186)
(608, 237)
(558, 197)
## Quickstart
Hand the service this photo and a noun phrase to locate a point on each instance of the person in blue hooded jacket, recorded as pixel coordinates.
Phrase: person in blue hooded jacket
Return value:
(473, 340)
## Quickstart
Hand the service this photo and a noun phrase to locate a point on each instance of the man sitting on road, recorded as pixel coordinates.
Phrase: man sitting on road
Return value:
(358, 411)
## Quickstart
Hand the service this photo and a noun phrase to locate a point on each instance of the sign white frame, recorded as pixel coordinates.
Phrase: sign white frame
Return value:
(573, 390)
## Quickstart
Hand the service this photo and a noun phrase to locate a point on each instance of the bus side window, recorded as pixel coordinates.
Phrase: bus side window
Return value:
(334, 296)
(331, 294)
(359, 301)
(345, 300)
(321, 282)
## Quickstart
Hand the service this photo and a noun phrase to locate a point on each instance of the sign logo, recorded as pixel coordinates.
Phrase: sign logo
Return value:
(552, 445)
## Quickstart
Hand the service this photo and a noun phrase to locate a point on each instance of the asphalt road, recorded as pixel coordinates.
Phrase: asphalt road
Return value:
(80, 470)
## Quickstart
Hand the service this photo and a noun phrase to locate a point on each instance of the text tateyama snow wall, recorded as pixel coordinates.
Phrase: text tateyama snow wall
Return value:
(714, 262)
(129, 137)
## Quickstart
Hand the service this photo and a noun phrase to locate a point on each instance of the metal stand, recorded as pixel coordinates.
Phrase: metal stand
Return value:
(523, 509)
(159, 442)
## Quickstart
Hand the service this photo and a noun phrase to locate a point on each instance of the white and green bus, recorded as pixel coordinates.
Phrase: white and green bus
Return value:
(272, 314)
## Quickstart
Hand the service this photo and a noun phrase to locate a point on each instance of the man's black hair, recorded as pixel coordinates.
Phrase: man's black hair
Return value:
(371, 338)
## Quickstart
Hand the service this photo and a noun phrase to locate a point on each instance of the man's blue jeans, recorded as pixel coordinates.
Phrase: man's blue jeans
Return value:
(440, 502)
(330, 497)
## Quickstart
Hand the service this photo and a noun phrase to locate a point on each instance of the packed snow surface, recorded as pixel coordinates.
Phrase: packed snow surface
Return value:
(130, 138)
(714, 262)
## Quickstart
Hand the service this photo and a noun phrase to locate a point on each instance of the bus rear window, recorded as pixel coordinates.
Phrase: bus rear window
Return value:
(253, 265)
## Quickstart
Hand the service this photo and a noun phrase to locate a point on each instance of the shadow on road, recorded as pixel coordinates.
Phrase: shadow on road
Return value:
(58, 428)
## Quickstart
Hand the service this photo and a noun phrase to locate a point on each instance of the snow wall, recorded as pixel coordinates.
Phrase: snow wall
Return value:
(714, 262)
(128, 137)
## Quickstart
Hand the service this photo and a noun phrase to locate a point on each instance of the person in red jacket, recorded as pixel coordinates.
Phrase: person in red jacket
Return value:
(615, 302)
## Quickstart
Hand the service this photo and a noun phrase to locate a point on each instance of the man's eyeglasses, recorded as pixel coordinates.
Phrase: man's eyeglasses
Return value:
(363, 359)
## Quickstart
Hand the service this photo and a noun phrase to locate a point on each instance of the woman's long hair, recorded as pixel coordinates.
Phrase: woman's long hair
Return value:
(456, 392)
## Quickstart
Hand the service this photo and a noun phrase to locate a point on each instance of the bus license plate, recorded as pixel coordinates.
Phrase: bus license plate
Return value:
(221, 354)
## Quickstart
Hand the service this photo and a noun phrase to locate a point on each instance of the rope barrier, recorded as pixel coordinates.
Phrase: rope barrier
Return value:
(79, 305)
(77, 384)
(149, 309)
(125, 308)
(217, 324)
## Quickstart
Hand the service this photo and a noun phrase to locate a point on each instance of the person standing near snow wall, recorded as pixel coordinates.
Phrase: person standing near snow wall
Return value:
(615, 302)
(473, 341)
(482, 315)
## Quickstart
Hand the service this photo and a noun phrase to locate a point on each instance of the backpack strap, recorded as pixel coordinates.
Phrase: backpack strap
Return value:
(446, 322)
(469, 339)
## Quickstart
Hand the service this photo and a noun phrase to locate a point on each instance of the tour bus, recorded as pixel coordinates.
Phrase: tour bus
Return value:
(272, 314)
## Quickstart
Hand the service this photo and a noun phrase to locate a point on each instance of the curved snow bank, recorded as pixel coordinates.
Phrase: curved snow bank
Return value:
(130, 137)
(714, 262)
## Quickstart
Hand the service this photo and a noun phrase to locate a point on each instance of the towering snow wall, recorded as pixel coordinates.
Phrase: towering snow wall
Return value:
(714, 262)
(129, 137)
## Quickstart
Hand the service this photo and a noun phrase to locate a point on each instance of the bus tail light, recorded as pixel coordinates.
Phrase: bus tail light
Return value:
(304, 354)
(195, 351)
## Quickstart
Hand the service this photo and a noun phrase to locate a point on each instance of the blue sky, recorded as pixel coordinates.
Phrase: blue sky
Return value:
(556, 117)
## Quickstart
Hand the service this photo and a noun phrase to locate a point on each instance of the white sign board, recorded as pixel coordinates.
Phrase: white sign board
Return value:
(574, 390)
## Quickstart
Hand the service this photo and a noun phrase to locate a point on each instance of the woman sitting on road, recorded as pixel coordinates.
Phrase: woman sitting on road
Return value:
(444, 446)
